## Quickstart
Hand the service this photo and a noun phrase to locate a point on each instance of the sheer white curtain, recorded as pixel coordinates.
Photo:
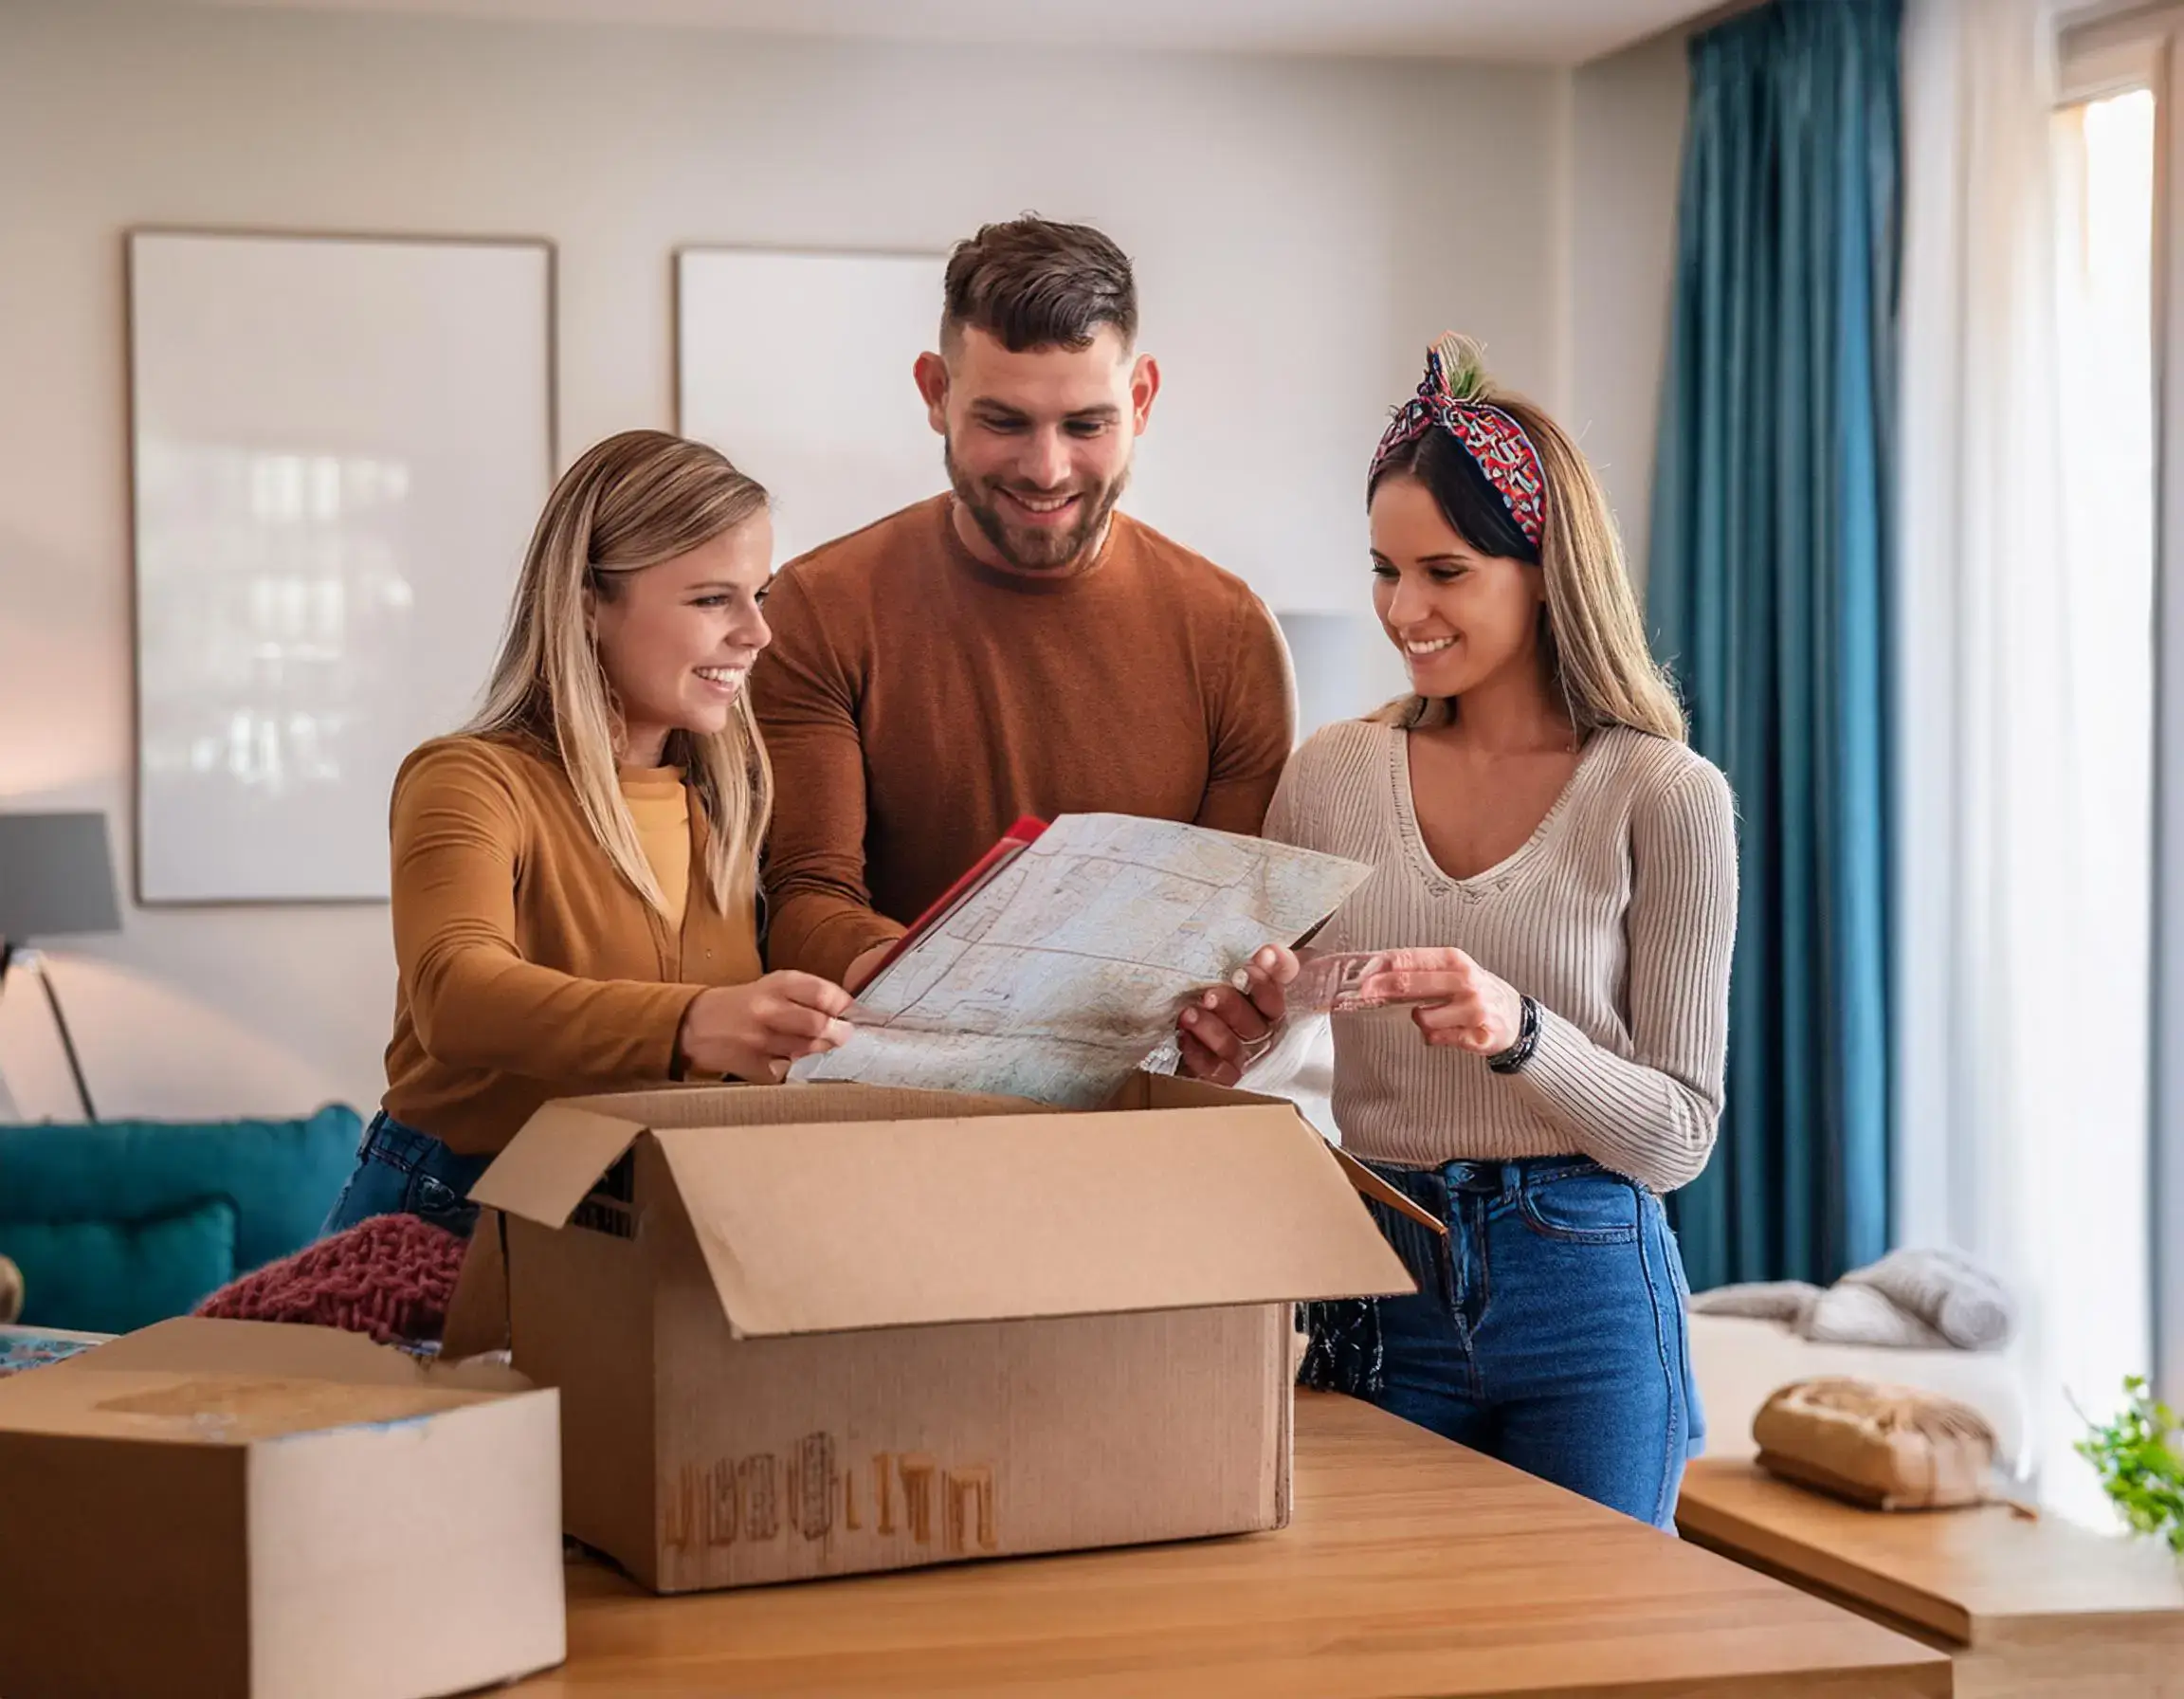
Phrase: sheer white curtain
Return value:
(2021, 1036)
(2098, 1279)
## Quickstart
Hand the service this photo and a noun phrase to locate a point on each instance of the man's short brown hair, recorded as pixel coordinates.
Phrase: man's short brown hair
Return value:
(1035, 283)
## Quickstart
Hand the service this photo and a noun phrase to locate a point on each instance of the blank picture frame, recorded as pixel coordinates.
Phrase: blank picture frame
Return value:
(1344, 667)
(797, 365)
(338, 447)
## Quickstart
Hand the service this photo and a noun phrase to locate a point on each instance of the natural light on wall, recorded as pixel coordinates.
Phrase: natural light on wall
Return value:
(2093, 1271)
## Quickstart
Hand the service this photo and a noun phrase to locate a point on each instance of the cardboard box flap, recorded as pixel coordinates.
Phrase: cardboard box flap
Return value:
(663, 1108)
(555, 1160)
(1371, 1185)
(194, 1344)
(561, 1152)
(1159, 1091)
(828, 1229)
(195, 1381)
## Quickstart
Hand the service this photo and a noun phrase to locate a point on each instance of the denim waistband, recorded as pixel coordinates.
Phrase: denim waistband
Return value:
(402, 1146)
(1491, 1175)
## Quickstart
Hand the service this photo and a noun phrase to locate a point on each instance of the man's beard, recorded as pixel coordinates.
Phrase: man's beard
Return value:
(1032, 548)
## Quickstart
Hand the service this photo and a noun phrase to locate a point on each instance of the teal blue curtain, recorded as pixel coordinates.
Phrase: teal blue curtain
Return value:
(1766, 577)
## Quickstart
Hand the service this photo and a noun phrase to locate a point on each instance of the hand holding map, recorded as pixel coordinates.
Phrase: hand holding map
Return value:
(1062, 971)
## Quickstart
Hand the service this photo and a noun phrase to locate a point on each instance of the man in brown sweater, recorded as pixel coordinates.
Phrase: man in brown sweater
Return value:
(1015, 647)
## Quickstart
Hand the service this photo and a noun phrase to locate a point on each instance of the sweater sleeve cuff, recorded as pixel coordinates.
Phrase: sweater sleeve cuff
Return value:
(674, 1006)
(1565, 1081)
(829, 948)
(1614, 1111)
(1556, 1064)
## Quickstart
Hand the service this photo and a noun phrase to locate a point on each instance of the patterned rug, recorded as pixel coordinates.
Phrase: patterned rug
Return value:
(32, 1347)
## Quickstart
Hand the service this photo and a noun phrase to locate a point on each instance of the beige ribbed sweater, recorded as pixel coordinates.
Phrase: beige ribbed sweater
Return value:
(1617, 915)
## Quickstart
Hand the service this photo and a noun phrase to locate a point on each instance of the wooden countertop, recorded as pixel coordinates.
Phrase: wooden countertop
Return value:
(1412, 1567)
(1965, 1575)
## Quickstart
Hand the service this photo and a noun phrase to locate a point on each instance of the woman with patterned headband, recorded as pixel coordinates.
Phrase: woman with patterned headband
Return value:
(1554, 908)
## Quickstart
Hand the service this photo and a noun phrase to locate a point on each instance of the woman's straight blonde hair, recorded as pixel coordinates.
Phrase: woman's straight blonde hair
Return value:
(628, 503)
(1597, 657)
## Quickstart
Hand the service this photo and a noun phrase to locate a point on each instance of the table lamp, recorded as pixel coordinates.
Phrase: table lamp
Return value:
(56, 879)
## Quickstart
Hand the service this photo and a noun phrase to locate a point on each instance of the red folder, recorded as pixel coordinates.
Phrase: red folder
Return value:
(1013, 843)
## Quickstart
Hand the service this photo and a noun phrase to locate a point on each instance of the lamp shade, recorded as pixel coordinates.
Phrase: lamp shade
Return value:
(56, 876)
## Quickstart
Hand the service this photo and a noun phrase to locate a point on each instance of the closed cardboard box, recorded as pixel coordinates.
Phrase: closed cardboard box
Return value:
(817, 1330)
(214, 1510)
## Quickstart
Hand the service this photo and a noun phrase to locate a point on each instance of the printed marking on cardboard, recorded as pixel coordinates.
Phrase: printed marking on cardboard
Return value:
(743, 1499)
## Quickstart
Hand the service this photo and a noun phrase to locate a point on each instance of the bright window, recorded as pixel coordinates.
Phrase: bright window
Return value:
(2094, 1267)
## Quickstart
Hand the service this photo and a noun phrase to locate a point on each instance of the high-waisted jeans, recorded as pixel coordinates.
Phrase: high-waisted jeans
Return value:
(1549, 1328)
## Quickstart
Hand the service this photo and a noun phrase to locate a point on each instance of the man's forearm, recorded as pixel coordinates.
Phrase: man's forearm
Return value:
(816, 932)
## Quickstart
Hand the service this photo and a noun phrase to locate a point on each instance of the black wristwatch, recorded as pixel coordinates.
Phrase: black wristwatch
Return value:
(1510, 1060)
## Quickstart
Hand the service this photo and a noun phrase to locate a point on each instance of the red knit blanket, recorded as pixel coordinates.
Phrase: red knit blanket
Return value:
(390, 1277)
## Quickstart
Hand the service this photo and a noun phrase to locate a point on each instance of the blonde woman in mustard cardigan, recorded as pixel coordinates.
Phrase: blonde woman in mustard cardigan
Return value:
(575, 873)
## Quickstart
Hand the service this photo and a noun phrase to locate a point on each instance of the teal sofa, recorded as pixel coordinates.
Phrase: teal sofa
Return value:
(117, 1224)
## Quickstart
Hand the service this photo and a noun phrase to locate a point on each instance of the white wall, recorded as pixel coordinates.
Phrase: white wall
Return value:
(1626, 149)
(1301, 228)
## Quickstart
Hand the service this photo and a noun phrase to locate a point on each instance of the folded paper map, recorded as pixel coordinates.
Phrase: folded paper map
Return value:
(1065, 967)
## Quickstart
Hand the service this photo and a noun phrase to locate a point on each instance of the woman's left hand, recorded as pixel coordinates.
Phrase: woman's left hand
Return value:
(1461, 1006)
(1225, 1030)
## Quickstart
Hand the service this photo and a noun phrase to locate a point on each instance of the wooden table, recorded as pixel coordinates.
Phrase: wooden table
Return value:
(2026, 1608)
(1412, 1567)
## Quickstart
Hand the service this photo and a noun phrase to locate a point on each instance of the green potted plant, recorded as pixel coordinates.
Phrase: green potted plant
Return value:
(2139, 1458)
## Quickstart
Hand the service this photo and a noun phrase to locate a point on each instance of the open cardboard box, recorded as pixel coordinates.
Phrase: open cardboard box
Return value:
(814, 1330)
(212, 1509)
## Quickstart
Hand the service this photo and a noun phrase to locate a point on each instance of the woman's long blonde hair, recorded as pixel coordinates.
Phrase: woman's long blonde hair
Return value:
(1597, 657)
(629, 503)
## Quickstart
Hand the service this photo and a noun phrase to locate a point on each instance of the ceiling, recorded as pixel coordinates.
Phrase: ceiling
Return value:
(1527, 31)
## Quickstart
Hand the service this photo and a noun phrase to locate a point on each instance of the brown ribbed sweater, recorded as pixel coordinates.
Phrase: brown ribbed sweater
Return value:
(915, 703)
(528, 967)
(1617, 915)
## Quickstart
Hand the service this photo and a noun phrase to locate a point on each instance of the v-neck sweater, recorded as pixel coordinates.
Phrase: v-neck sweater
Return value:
(1617, 915)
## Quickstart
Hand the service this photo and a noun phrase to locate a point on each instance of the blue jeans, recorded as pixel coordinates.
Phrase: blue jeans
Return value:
(1549, 1328)
(402, 1171)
